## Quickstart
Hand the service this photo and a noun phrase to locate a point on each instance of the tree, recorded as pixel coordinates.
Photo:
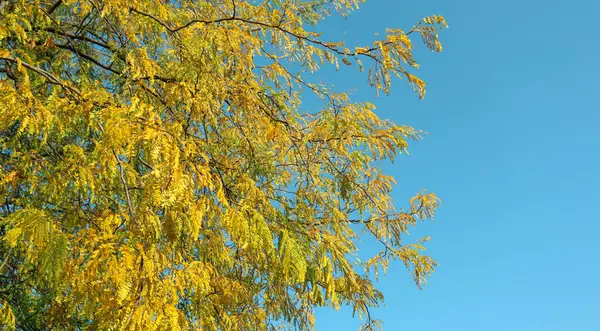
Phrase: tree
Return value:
(158, 170)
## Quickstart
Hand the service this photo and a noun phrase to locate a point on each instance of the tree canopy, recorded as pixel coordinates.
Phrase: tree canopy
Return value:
(159, 171)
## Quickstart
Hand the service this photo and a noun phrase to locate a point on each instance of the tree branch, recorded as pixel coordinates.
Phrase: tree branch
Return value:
(54, 6)
(124, 182)
(89, 58)
(80, 37)
(50, 77)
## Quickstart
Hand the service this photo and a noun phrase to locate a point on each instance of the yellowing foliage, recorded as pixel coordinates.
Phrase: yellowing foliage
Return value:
(158, 170)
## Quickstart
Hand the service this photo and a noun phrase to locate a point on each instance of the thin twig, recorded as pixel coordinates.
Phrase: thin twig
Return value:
(6, 258)
(125, 187)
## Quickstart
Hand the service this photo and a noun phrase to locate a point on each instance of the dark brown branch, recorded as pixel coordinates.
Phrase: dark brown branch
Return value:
(80, 37)
(89, 58)
(54, 6)
(109, 67)
(188, 24)
(50, 77)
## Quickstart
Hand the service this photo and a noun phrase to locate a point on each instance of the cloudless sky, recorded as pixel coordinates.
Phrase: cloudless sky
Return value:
(512, 113)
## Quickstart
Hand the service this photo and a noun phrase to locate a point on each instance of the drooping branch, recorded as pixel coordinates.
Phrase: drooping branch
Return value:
(50, 77)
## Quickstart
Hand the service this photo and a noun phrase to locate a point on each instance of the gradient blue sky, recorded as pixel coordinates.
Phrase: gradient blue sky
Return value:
(513, 118)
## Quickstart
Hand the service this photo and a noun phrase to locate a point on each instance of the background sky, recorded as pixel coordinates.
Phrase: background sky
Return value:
(513, 118)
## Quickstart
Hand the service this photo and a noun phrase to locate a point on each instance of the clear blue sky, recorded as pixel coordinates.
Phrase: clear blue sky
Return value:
(513, 118)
